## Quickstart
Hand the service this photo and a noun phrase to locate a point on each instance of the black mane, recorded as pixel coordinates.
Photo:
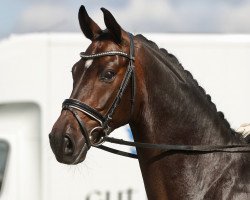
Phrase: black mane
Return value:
(189, 76)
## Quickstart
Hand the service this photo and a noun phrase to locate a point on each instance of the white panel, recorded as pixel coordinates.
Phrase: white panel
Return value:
(23, 64)
(20, 126)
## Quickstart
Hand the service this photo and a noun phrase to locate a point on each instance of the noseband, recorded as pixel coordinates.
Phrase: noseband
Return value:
(73, 104)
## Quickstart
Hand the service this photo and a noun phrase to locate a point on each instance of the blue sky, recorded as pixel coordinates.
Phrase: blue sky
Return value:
(168, 16)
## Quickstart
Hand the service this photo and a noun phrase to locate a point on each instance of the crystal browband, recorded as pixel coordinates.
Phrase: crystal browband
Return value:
(108, 53)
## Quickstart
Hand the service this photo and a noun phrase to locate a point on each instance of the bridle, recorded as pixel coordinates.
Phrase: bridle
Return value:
(103, 121)
(73, 104)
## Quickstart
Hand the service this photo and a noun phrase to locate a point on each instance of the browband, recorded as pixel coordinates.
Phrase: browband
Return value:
(107, 53)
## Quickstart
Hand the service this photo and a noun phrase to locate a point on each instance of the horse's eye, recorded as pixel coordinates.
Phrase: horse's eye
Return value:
(108, 75)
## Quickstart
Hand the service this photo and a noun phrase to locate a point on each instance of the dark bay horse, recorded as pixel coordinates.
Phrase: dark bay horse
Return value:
(162, 103)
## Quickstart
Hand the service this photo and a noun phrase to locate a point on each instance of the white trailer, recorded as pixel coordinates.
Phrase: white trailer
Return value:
(35, 78)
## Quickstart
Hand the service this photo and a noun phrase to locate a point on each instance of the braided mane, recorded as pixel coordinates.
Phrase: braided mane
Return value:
(188, 75)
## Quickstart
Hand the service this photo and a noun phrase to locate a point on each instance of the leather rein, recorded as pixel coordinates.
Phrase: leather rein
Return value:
(74, 105)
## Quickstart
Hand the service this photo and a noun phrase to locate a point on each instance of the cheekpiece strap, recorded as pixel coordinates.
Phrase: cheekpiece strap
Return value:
(131, 49)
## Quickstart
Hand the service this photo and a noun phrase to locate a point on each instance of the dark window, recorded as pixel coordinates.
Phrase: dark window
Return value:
(4, 151)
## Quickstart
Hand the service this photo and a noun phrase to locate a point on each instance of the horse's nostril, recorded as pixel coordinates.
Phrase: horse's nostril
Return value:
(50, 136)
(68, 146)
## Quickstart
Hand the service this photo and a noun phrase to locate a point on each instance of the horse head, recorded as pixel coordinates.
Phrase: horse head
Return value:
(103, 75)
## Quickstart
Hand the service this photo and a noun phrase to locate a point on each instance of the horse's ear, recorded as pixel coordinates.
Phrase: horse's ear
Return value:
(88, 26)
(112, 25)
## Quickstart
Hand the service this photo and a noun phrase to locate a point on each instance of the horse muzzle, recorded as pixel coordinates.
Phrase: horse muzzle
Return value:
(67, 149)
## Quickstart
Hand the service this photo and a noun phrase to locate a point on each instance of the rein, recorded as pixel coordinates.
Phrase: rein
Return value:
(74, 104)
(188, 149)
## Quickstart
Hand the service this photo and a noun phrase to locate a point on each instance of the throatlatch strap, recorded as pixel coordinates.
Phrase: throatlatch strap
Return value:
(133, 77)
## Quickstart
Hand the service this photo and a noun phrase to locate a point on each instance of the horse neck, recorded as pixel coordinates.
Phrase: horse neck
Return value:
(172, 111)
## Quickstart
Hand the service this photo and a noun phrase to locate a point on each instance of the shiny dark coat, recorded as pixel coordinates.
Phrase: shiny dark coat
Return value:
(170, 108)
